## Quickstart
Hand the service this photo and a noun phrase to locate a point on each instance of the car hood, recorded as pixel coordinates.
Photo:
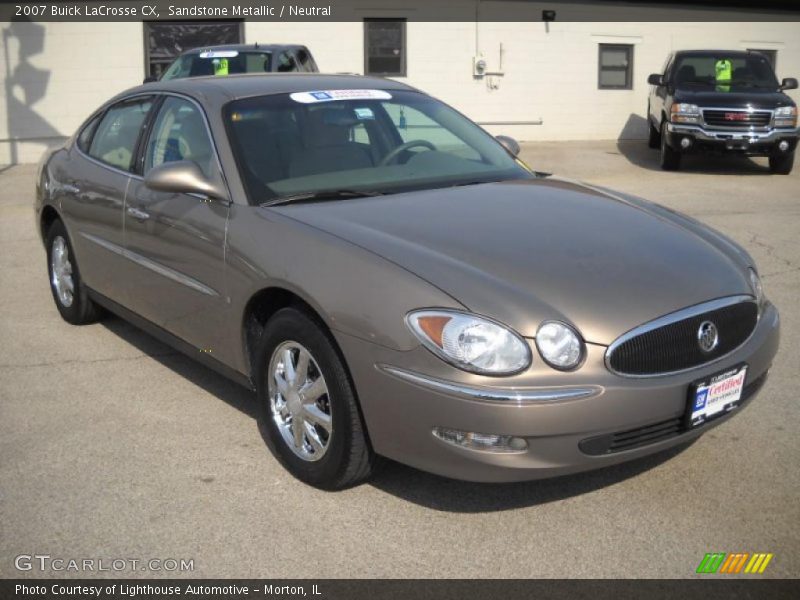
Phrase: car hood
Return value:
(734, 99)
(526, 251)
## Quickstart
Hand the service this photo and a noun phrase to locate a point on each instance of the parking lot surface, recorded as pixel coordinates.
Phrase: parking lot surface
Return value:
(112, 445)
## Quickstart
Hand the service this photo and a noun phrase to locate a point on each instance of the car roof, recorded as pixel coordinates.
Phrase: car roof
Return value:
(211, 89)
(245, 47)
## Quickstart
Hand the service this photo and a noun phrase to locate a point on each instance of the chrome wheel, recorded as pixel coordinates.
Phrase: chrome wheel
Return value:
(61, 272)
(299, 402)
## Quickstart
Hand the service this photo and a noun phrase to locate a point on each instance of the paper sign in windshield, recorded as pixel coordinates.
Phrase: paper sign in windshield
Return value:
(331, 95)
(219, 54)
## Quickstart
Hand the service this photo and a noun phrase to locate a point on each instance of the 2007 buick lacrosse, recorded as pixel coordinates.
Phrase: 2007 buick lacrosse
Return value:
(394, 282)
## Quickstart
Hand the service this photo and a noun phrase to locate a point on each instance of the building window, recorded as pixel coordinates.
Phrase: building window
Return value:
(165, 41)
(615, 67)
(385, 47)
(772, 55)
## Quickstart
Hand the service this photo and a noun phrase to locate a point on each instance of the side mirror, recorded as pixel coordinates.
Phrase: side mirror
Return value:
(790, 83)
(509, 144)
(655, 79)
(183, 177)
(150, 79)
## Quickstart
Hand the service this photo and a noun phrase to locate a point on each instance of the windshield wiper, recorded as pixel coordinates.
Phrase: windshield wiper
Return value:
(322, 195)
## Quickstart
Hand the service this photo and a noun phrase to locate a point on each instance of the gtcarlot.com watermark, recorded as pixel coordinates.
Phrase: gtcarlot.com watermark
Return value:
(47, 563)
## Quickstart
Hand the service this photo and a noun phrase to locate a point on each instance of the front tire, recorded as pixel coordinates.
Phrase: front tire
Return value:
(69, 292)
(781, 165)
(308, 407)
(670, 159)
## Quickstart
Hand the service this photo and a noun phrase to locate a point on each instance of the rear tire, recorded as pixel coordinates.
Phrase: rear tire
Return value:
(654, 137)
(318, 437)
(670, 159)
(69, 292)
(781, 165)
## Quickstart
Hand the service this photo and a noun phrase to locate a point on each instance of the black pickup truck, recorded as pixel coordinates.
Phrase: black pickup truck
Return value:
(722, 100)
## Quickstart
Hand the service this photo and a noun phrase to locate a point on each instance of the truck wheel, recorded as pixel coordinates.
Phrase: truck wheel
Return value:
(670, 159)
(781, 165)
(654, 139)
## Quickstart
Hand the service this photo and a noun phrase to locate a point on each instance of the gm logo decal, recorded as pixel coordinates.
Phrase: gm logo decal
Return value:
(734, 563)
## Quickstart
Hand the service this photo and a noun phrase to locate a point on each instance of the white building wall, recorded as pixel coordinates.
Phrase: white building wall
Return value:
(54, 74)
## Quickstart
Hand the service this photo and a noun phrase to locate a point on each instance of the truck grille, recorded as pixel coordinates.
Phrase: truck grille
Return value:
(737, 119)
(654, 432)
(674, 345)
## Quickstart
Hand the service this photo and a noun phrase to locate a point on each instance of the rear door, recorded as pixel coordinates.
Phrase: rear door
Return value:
(177, 241)
(100, 166)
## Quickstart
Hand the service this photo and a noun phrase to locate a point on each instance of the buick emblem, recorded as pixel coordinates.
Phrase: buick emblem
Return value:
(707, 336)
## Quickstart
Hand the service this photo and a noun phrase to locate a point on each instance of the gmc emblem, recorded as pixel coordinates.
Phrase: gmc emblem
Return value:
(736, 116)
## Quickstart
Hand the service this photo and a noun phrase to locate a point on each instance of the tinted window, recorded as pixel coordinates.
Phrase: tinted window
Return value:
(286, 63)
(288, 144)
(115, 140)
(306, 62)
(219, 62)
(616, 67)
(385, 47)
(85, 136)
(179, 133)
(723, 71)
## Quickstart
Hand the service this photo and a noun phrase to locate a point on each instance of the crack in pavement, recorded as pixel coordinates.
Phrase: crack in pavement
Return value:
(772, 252)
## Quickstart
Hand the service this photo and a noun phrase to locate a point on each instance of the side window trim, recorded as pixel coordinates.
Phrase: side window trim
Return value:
(144, 138)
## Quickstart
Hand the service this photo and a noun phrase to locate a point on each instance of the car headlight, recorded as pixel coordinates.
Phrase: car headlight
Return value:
(786, 116)
(471, 343)
(560, 345)
(685, 113)
(758, 290)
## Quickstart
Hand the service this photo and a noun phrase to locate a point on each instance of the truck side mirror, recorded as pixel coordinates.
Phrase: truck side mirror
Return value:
(655, 79)
(790, 83)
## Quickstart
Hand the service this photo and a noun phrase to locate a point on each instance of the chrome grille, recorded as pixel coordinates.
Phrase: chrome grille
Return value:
(737, 119)
(670, 344)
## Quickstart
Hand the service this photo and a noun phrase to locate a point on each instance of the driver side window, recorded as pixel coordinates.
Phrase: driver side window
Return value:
(179, 133)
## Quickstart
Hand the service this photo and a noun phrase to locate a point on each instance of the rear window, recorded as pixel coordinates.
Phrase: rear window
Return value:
(219, 63)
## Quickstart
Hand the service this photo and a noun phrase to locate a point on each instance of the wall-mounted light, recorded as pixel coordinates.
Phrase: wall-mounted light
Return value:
(548, 16)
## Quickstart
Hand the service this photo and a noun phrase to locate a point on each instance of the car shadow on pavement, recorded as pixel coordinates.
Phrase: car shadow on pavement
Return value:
(212, 382)
(638, 153)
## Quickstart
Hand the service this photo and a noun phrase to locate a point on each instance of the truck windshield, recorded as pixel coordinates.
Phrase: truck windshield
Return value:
(224, 62)
(735, 72)
(359, 140)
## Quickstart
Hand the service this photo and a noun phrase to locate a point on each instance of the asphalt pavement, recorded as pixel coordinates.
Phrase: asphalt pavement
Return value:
(113, 446)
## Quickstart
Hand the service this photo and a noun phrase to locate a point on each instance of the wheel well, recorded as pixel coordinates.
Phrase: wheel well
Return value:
(49, 216)
(260, 309)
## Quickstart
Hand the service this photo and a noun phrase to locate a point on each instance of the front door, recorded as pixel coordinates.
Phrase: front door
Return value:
(177, 241)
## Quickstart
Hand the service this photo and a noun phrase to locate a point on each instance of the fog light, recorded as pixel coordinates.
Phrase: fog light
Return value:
(783, 146)
(485, 442)
(686, 142)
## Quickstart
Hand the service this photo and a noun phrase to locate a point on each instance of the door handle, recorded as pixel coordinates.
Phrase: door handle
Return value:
(138, 214)
(70, 188)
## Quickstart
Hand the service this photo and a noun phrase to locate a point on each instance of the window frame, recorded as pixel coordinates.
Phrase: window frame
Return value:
(403, 46)
(102, 113)
(629, 49)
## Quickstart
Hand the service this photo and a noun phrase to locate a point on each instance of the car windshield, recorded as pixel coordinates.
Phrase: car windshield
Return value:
(724, 72)
(220, 63)
(375, 141)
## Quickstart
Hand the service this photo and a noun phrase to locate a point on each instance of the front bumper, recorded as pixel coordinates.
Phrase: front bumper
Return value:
(755, 143)
(558, 414)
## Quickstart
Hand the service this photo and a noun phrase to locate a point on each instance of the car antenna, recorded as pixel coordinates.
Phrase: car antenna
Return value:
(255, 45)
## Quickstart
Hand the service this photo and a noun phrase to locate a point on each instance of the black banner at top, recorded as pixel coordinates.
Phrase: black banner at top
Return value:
(413, 10)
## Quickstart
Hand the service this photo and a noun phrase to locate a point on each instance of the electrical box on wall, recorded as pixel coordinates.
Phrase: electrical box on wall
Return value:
(478, 66)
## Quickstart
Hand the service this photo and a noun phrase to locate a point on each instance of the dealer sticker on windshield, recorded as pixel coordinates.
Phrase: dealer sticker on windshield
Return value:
(716, 395)
(331, 95)
(219, 54)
